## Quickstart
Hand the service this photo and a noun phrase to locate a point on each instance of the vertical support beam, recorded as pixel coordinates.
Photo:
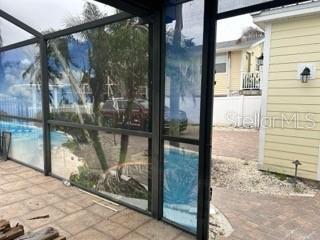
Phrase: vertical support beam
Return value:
(155, 57)
(208, 61)
(45, 106)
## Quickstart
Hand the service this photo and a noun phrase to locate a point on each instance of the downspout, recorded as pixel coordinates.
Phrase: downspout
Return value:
(229, 73)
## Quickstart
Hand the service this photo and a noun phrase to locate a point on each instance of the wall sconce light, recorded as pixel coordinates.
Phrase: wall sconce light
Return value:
(260, 60)
(305, 75)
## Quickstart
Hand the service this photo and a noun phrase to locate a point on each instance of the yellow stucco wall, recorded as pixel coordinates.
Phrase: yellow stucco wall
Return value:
(293, 41)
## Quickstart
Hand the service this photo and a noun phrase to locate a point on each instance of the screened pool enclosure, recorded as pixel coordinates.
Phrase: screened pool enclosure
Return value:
(116, 97)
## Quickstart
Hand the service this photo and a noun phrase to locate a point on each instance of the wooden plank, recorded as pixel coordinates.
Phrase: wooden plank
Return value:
(315, 100)
(286, 67)
(291, 50)
(288, 171)
(287, 25)
(308, 31)
(294, 133)
(291, 74)
(292, 140)
(301, 108)
(4, 225)
(295, 92)
(295, 58)
(60, 238)
(288, 115)
(290, 156)
(13, 233)
(48, 233)
(285, 147)
(297, 41)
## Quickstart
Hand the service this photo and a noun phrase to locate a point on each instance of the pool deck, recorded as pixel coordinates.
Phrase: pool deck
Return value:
(26, 193)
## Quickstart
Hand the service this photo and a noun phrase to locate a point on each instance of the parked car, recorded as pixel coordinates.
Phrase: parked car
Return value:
(114, 113)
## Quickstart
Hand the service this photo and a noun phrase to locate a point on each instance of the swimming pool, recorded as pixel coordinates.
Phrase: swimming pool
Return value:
(181, 186)
(180, 169)
(27, 141)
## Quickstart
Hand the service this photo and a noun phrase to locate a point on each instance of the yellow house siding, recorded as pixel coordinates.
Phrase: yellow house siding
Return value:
(292, 42)
(221, 84)
(296, 24)
(255, 52)
(231, 80)
(235, 71)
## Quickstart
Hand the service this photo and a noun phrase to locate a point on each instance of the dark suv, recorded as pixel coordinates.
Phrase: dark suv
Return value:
(114, 113)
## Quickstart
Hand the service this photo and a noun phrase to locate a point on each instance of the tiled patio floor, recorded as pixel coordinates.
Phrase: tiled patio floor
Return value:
(25, 193)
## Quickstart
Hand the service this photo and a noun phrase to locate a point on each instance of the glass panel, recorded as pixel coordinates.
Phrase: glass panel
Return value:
(181, 184)
(26, 142)
(52, 15)
(228, 5)
(20, 82)
(10, 33)
(183, 69)
(101, 76)
(114, 165)
(221, 68)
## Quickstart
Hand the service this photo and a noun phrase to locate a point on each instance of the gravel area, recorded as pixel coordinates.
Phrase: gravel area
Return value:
(243, 175)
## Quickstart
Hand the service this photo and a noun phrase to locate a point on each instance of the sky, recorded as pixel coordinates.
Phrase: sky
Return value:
(233, 28)
(43, 15)
(54, 15)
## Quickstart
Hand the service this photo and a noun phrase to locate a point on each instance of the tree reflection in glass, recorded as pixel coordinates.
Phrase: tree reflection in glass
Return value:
(100, 77)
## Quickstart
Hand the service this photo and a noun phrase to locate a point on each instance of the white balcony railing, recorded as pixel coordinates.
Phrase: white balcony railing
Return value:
(251, 80)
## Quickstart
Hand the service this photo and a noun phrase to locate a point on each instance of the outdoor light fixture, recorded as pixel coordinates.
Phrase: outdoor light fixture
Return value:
(305, 75)
(296, 163)
(260, 60)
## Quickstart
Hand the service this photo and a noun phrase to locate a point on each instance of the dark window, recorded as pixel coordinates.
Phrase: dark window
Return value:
(221, 68)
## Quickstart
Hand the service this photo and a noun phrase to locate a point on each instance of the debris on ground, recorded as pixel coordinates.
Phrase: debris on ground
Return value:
(243, 175)
(17, 233)
(218, 224)
(39, 217)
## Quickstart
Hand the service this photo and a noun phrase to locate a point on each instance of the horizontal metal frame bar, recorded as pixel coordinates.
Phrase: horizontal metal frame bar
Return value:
(103, 196)
(19, 44)
(22, 118)
(256, 8)
(89, 25)
(25, 164)
(181, 140)
(20, 24)
(133, 6)
(177, 225)
(98, 128)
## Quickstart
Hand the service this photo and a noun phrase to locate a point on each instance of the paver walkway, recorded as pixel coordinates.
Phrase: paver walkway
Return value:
(237, 143)
(264, 217)
(25, 193)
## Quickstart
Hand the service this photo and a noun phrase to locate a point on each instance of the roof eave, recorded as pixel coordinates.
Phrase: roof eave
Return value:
(238, 48)
(269, 16)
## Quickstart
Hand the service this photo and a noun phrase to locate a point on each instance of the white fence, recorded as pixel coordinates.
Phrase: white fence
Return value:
(238, 111)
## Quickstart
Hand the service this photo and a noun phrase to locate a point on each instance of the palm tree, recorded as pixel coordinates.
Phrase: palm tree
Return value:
(118, 52)
(179, 70)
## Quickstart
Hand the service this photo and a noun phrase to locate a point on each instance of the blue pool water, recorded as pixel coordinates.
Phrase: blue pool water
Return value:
(27, 141)
(180, 169)
(30, 131)
(181, 186)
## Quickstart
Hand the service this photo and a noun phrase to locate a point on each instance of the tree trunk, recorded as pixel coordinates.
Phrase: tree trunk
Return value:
(93, 135)
(124, 142)
(175, 79)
